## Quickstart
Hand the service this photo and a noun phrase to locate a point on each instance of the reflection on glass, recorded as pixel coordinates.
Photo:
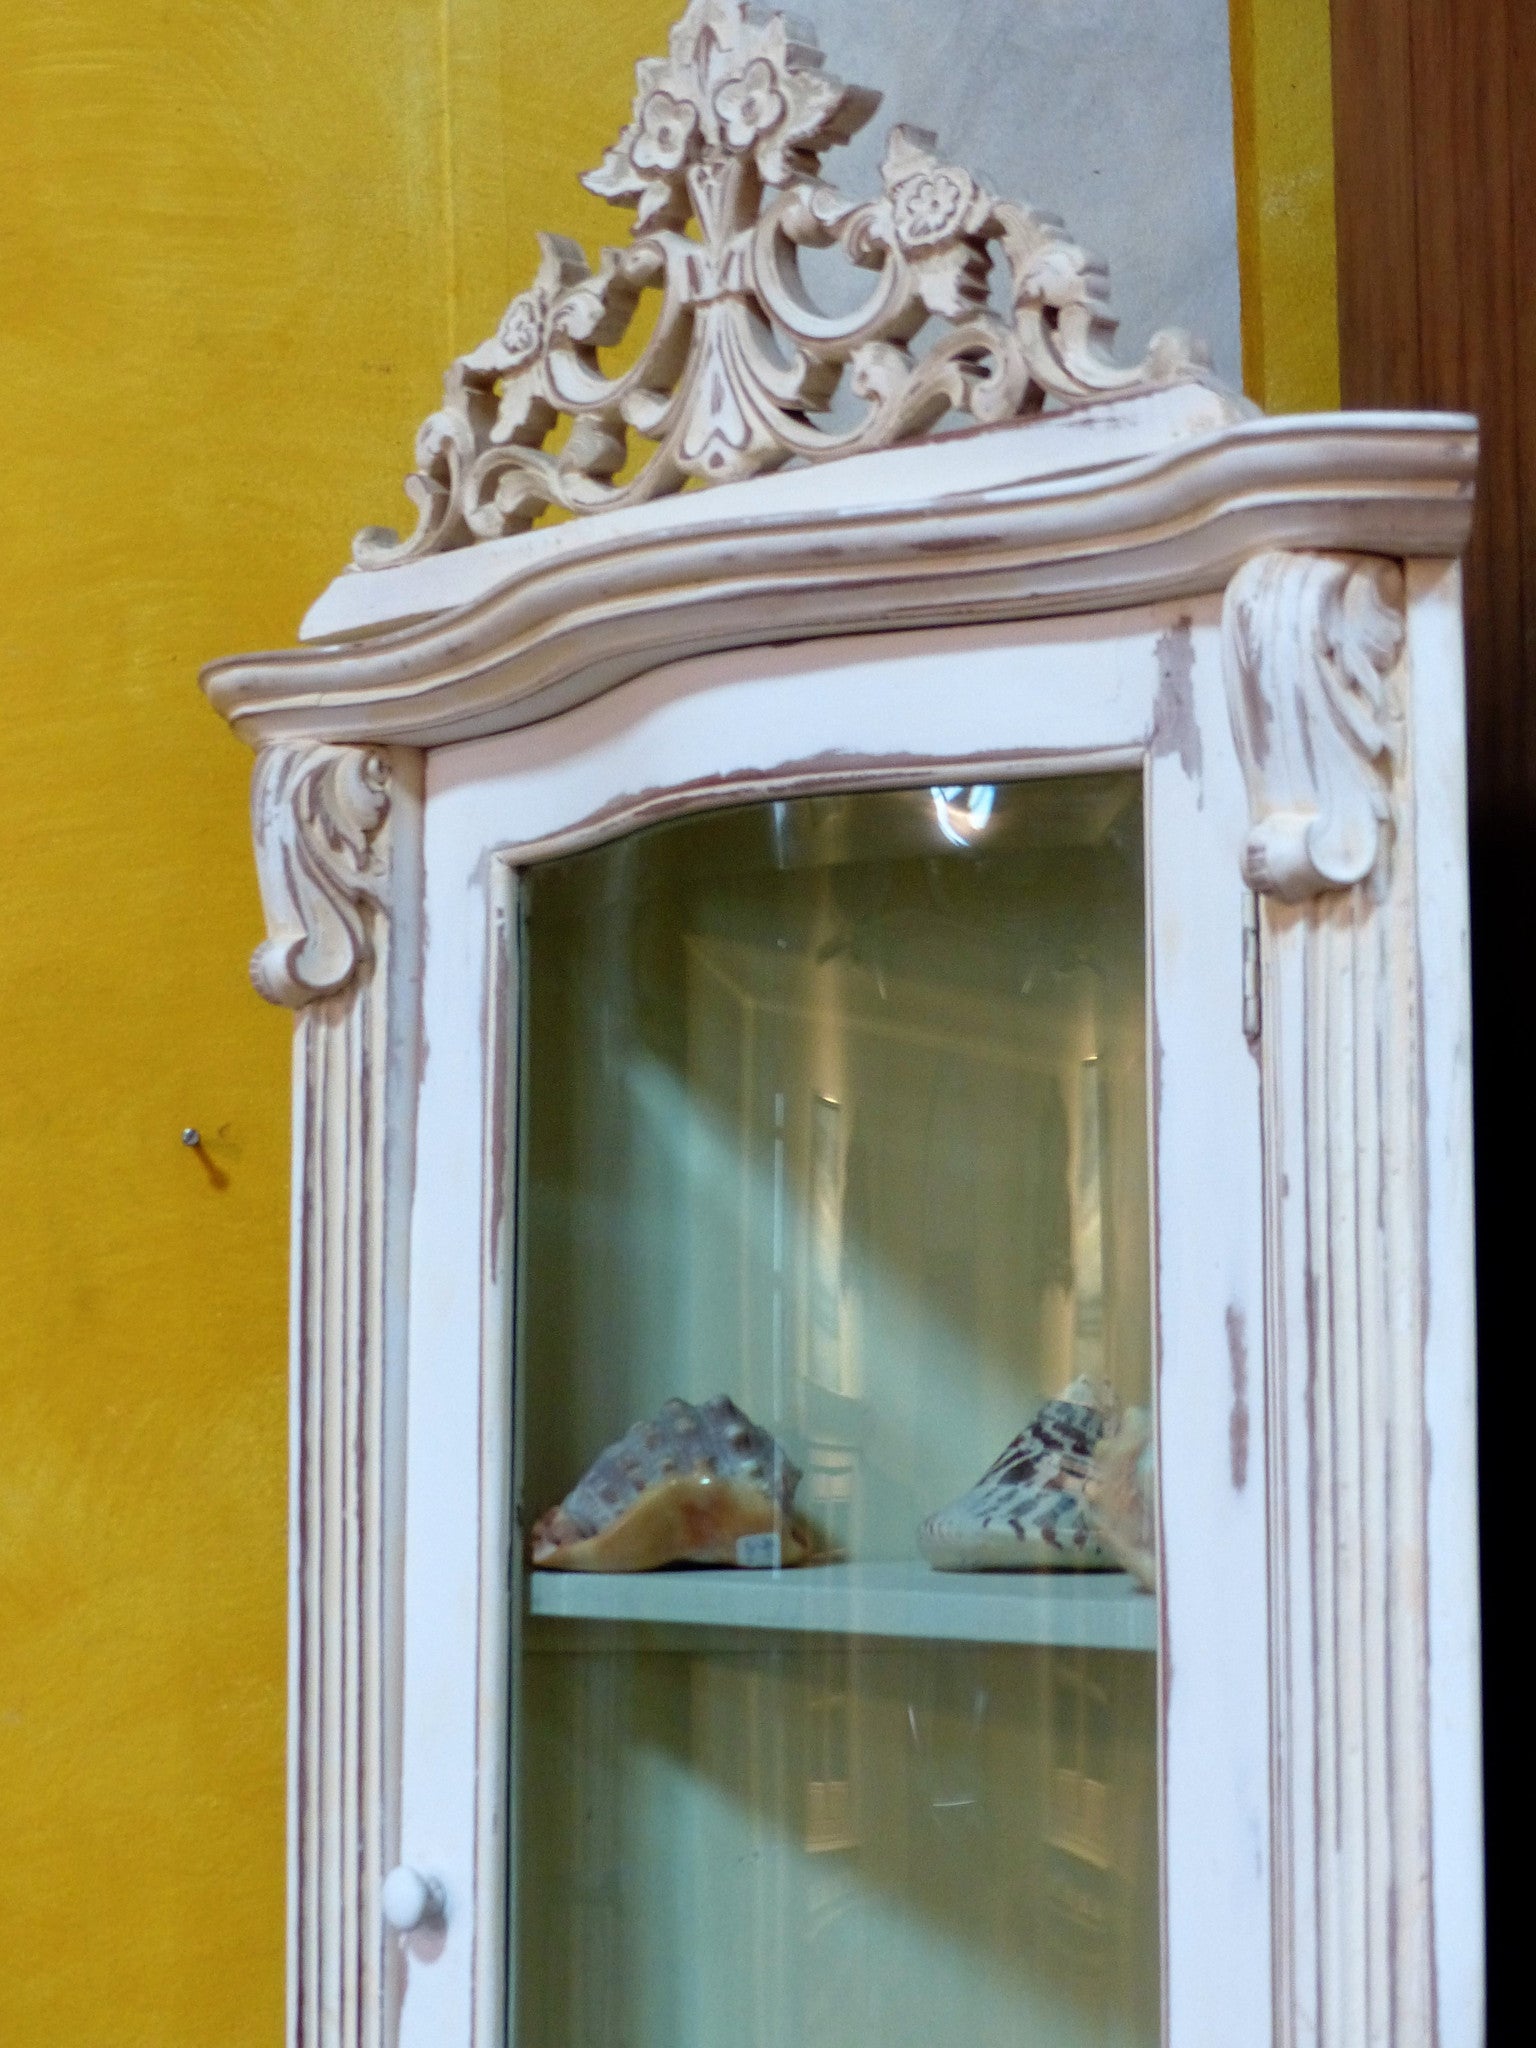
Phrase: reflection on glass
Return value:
(836, 1106)
(1088, 1229)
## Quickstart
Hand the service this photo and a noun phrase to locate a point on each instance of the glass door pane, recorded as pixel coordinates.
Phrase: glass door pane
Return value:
(836, 1108)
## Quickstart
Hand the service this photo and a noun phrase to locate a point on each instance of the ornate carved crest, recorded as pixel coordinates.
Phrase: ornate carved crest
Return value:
(1310, 645)
(721, 165)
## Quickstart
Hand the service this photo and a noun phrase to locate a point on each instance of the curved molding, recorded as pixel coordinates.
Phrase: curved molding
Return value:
(1309, 645)
(721, 165)
(571, 617)
(317, 812)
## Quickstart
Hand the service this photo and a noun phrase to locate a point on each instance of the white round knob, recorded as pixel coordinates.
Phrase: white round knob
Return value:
(411, 1900)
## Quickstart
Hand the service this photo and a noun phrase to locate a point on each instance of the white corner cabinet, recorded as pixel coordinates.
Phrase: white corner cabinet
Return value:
(956, 906)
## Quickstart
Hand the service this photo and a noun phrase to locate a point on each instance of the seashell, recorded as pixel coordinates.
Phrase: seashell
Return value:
(1027, 1512)
(692, 1486)
(1122, 1496)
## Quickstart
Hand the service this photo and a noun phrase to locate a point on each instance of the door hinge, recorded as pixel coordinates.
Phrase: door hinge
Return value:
(1252, 1016)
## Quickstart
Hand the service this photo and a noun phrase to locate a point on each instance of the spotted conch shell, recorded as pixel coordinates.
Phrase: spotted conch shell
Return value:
(1027, 1512)
(1122, 1496)
(698, 1485)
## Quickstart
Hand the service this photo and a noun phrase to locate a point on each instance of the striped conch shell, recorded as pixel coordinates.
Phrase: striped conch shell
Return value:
(1027, 1512)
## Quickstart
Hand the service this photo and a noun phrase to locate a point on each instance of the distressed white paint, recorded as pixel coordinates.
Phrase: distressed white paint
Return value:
(1438, 824)
(338, 838)
(1323, 703)
(1318, 1555)
(1068, 443)
(1314, 1921)
(1208, 1283)
(939, 707)
(569, 621)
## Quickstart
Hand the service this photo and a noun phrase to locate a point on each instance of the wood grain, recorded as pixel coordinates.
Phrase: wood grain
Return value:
(1377, 222)
(1435, 142)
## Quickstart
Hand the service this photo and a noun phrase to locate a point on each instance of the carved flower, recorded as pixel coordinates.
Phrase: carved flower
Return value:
(735, 78)
(521, 332)
(931, 205)
(751, 105)
(666, 127)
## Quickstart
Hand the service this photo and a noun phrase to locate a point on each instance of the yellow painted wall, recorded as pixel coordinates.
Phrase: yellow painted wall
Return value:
(1282, 103)
(238, 242)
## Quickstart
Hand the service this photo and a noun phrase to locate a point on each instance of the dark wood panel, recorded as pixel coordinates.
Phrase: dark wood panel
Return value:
(1435, 141)
(1435, 146)
(1375, 204)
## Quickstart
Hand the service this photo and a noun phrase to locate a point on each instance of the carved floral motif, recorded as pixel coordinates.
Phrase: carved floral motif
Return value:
(727, 136)
(930, 205)
(318, 811)
(1310, 645)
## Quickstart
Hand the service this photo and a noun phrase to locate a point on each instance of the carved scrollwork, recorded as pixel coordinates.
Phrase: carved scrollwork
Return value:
(727, 136)
(1310, 645)
(317, 812)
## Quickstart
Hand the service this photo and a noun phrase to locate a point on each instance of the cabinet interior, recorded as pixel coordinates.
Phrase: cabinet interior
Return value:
(837, 1105)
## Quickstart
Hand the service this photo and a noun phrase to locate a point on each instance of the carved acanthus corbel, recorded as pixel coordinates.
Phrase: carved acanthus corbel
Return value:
(1310, 644)
(318, 812)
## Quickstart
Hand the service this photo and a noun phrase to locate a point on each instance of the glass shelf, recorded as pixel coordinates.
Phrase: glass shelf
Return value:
(1087, 1611)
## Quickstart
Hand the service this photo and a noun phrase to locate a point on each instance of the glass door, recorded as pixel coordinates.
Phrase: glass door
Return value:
(834, 1701)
